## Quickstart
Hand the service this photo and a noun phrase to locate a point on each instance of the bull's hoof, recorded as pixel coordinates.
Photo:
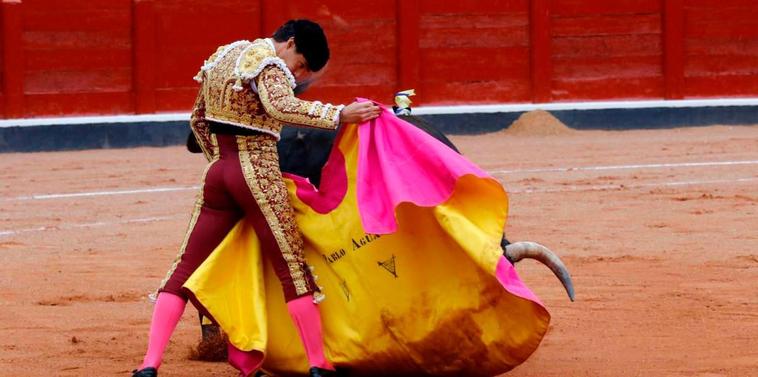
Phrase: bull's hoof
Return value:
(212, 347)
(318, 372)
(147, 372)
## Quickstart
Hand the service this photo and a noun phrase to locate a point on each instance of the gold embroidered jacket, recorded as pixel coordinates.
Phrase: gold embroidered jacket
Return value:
(245, 84)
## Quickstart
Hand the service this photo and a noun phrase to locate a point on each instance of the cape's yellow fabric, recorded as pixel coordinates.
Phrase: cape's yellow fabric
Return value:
(421, 301)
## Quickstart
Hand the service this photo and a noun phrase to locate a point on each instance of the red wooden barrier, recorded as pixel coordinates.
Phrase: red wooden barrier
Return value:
(673, 43)
(2, 63)
(408, 51)
(139, 56)
(13, 59)
(186, 32)
(539, 18)
(720, 48)
(271, 15)
(605, 50)
(474, 51)
(144, 57)
(78, 57)
(364, 47)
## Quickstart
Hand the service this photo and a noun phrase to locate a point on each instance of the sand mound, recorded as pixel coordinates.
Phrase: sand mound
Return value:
(537, 123)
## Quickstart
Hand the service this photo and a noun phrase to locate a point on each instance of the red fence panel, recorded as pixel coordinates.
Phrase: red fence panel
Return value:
(144, 56)
(77, 57)
(474, 52)
(363, 46)
(407, 34)
(2, 62)
(139, 56)
(13, 59)
(604, 50)
(541, 65)
(186, 33)
(673, 45)
(721, 48)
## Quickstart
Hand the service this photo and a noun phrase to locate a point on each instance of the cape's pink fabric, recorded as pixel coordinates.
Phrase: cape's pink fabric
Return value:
(508, 278)
(401, 163)
(333, 184)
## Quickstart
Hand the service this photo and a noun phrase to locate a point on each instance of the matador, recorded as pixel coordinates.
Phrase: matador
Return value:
(246, 96)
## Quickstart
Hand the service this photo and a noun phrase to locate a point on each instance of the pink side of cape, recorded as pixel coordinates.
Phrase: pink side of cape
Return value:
(508, 278)
(400, 163)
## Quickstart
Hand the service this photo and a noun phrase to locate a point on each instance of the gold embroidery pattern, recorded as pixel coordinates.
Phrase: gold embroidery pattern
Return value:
(211, 61)
(200, 127)
(260, 165)
(225, 104)
(216, 150)
(199, 201)
(257, 57)
(228, 96)
(280, 102)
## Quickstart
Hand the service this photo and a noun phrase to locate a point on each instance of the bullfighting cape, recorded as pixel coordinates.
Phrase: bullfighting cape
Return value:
(404, 237)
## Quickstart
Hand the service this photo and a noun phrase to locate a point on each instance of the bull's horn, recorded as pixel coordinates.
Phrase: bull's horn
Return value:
(520, 250)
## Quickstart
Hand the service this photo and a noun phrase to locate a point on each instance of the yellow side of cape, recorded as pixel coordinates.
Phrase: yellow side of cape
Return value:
(421, 301)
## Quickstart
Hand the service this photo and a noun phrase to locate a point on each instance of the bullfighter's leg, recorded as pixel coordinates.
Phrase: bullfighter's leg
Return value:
(263, 195)
(214, 215)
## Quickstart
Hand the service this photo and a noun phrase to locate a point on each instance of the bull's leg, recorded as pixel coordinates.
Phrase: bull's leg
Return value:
(212, 346)
(208, 328)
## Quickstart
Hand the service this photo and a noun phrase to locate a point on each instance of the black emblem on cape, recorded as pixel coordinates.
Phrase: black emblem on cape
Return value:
(389, 265)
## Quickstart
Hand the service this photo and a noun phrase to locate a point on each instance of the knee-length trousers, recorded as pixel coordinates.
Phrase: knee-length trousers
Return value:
(244, 180)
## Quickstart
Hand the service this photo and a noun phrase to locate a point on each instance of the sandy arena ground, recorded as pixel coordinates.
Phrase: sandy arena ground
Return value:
(659, 229)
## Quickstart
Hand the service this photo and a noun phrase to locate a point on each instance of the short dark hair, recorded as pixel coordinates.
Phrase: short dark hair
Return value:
(310, 41)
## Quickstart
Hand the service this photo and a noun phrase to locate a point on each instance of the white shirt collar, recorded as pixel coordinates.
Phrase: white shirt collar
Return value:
(271, 44)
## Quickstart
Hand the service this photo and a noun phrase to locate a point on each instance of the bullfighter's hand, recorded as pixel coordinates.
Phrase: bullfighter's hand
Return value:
(359, 112)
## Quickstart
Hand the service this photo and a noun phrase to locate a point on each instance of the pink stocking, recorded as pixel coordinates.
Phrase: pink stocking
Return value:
(168, 310)
(247, 362)
(307, 320)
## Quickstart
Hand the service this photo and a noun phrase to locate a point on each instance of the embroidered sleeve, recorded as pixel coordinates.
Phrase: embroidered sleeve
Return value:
(200, 127)
(280, 102)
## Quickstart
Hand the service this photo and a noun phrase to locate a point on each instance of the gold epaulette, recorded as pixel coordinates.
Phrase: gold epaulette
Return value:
(259, 55)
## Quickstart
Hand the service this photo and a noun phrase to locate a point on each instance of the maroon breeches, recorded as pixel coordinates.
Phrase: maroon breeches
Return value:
(243, 180)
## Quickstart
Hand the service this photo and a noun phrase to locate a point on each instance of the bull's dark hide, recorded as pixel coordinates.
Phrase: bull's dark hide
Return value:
(304, 151)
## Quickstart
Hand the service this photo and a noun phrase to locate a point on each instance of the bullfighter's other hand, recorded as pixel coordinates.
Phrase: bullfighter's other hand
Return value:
(359, 112)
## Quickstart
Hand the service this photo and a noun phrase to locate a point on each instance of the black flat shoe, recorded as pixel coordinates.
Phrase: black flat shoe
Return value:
(318, 372)
(147, 372)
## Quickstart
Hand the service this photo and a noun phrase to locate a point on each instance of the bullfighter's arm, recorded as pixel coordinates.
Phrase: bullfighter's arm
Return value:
(280, 102)
(200, 127)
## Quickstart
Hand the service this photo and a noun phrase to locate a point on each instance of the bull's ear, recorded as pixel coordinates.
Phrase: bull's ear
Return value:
(192, 145)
